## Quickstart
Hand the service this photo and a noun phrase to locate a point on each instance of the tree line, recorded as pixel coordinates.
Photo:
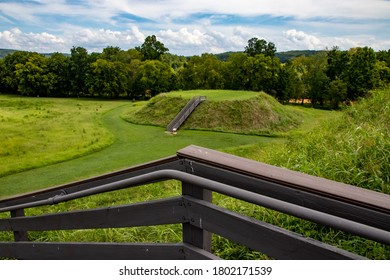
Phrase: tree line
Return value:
(327, 78)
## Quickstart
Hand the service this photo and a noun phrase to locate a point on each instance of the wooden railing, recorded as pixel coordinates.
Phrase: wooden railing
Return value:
(202, 171)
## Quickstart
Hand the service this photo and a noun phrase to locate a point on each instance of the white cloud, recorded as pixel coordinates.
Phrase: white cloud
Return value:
(193, 26)
(92, 39)
(201, 40)
(96, 39)
(159, 9)
(138, 35)
(295, 40)
(184, 40)
(104, 10)
(302, 40)
(40, 42)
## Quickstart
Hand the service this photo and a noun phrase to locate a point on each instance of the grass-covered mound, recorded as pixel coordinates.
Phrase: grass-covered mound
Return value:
(248, 112)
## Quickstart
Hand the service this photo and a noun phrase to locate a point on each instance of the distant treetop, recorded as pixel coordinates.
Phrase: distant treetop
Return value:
(260, 46)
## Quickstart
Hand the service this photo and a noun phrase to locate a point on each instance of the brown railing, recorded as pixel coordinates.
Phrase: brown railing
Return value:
(202, 171)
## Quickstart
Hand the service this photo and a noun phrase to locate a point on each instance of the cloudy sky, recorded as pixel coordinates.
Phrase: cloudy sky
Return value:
(189, 27)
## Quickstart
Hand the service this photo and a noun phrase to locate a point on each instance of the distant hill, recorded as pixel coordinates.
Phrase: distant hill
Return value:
(283, 56)
(224, 56)
(5, 52)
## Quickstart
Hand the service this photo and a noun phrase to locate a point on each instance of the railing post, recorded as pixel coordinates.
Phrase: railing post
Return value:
(19, 235)
(193, 234)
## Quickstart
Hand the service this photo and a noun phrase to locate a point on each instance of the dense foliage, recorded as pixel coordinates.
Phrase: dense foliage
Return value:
(326, 78)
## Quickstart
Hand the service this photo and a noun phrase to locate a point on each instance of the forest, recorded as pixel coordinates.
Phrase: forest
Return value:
(327, 79)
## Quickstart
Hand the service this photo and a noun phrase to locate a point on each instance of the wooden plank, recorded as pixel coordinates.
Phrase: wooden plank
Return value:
(91, 251)
(352, 194)
(195, 253)
(19, 235)
(273, 241)
(193, 235)
(357, 213)
(164, 211)
(166, 163)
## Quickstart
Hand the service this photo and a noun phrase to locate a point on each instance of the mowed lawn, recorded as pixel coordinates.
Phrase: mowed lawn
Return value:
(215, 95)
(62, 140)
(42, 131)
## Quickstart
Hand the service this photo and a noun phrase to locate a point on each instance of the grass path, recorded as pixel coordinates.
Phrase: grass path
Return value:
(134, 144)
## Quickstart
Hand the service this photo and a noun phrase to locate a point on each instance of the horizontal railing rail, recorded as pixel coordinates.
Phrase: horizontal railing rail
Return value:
(202, 171)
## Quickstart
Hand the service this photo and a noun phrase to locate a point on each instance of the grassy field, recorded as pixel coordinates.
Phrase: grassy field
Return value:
(40, 131)
(105, 141)
(133, 144)
(130, 145)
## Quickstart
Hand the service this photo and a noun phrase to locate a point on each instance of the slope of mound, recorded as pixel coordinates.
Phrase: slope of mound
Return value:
(258, 114)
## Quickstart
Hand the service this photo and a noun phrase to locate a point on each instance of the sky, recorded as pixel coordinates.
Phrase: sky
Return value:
(193, 27)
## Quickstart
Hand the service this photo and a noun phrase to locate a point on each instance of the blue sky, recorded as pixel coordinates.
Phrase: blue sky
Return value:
(189, 27)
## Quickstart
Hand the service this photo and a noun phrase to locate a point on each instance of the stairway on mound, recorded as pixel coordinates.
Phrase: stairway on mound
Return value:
(185, 113)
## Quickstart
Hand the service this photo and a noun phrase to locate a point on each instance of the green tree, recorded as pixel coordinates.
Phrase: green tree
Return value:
(337, 93)
(132, 71)
(260, 46)
(175, 61)
(133, 54)
(78, 70)
(3, 73)
(234, 72)
(111, 53)
(152, 49)
(202, 72)
(153, 77)
(338, 62)
(311, 71)
(316, 79)
(384, 56)
(33, 77)
(107, 79)
(361, 73)
(290, 84)
(7, 74)
(57, 66)
(383, 74)
(261, 73)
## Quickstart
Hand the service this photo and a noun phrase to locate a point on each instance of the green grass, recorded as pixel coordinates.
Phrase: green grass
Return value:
(366, 123)
(40, 131)
(353, 147)
(133, 144)
(215, 95)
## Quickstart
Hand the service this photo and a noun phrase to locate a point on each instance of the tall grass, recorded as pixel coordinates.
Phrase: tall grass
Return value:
(353, 148)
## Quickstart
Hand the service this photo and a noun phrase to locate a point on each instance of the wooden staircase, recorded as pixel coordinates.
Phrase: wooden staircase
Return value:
(185, 113)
